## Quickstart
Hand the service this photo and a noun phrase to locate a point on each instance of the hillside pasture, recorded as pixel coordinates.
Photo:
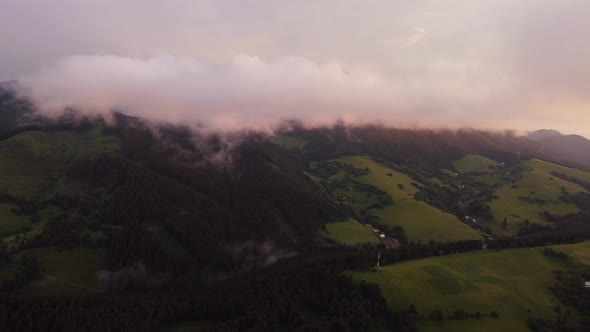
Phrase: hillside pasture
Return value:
(421, 221)
(35, 161)
(351, 232)
(10, 222)
(68, 271)
(510, 282)
(580, 251)
(550, 167)
(473, 163)
(527, 198)
(290, 142)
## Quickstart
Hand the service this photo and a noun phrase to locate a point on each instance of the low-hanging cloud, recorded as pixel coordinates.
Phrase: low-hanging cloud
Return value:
(487, 64)
(248, 92)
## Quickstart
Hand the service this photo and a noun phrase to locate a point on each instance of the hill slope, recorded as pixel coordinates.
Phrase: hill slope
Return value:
(159, 201)
(572, 148)
(169, 215)
(34, 161)
(509, 282)
(537, 192)
(421, 221)
(543, 133)
(474, 164)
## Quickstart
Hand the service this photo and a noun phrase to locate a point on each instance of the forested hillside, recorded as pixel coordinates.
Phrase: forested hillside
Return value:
(130, 224)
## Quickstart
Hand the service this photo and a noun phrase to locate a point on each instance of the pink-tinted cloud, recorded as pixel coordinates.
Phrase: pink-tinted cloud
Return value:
(490, 63)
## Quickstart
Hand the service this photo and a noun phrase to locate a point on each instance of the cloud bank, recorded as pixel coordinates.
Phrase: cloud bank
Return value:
(252, 93)
(247, 92)
(488, 63)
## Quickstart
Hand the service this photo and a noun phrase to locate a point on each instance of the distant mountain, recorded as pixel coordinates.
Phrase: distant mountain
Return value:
(542, 133)
(8, 84)
(571, 148)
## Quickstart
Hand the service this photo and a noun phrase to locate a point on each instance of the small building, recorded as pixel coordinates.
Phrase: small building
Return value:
(587, 284)
(382, 236)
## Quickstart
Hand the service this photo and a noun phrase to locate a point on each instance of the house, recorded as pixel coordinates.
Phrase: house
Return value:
(587, 284)
(382, 236)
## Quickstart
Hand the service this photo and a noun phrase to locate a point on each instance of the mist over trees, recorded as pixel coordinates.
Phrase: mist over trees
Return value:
(201, 225)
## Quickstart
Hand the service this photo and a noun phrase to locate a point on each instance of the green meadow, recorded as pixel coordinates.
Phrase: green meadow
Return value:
(290, 142)
(35, 161)
(537, 191)
(421, 221)
(510, 282)
(473, 163)
(10, 222)
(67, 271)
(351, 232)
(550, 167)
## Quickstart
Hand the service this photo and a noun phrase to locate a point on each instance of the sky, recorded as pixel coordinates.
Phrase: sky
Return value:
(489, 64)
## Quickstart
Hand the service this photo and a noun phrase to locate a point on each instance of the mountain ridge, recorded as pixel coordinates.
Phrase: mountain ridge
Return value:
(542, 133)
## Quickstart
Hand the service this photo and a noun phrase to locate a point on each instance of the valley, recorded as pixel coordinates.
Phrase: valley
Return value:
(313, 166)
(100, 209)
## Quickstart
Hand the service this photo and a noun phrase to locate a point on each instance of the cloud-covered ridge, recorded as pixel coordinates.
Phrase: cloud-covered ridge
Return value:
(489, 63)
(248, 92)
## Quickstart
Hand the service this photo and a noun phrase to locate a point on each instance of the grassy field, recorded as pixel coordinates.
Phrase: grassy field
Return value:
(356, 196)
(35, 228)
(509, 282)
(69, 271)
(9, 222)
(35, 161)
(580, 251)
(420, 220)
(351, 232)
(290, 142)
(15, 240)
(542, 188)
(473, 163)
(549, 167)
